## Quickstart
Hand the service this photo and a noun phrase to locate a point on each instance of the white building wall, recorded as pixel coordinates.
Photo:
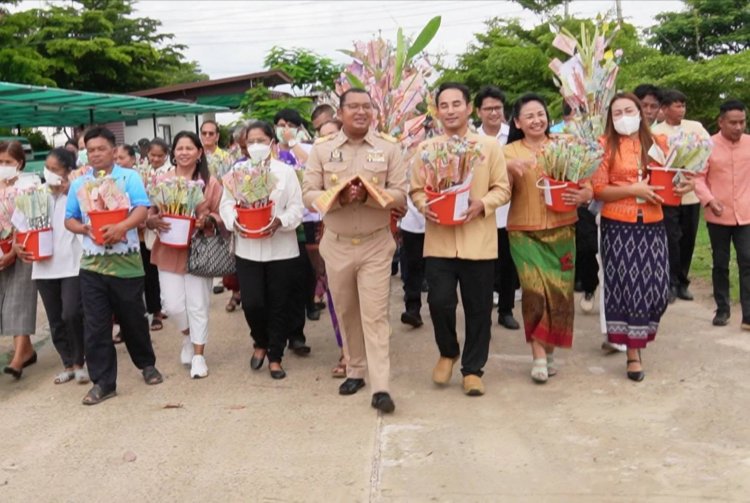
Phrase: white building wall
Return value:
(165, 126)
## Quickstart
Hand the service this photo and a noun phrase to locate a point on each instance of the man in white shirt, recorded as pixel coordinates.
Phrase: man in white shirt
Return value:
(681, 221)
(490, 106)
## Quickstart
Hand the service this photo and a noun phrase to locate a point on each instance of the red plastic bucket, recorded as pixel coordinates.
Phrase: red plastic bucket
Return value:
(101, 218)
(664, 177)
(38, 242)
(253, 220)
(553, 192)
(444, 205)
(6, 245)
(179, 233)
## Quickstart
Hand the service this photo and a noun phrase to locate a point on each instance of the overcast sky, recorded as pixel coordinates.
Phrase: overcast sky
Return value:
(231, 37)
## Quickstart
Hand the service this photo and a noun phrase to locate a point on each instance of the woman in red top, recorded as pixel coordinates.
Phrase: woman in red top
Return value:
(634, 242)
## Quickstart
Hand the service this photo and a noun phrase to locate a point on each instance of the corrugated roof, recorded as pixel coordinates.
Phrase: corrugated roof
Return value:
(29, 106)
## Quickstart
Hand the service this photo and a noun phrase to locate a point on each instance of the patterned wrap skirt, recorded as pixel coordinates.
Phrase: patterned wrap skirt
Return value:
(636, 280)
(17, 300)
(545, 261)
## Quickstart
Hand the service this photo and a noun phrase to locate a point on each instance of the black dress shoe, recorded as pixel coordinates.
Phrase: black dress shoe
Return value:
(255, 362)
(277, 374)
(313, 314)
(672, 295)
(299, 348)
(413, 319)
(351, 386)
(721, 319)
(320, 305)
(683, 293)
(508, 321)
(383, 402)
(638, 375)
(218, 289)
(17, 373)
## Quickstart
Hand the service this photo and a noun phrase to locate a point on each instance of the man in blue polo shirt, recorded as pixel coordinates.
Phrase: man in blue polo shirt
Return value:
(112, 275)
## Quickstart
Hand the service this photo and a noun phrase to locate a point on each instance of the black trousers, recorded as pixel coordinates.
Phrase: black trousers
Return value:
(104, 296)
(62, 303)
(151, 281)
(475, 279)
(412, 269)
(681, 223)
(266, 301)
(506, 276)
(301, 296)
(587, 246)
(722, 237)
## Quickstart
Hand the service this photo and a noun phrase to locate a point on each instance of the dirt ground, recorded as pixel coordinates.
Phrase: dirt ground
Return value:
(589, 435)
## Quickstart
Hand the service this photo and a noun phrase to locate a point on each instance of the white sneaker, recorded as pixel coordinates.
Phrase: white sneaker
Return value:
(587, 303)
(199, 368)
(186, 356)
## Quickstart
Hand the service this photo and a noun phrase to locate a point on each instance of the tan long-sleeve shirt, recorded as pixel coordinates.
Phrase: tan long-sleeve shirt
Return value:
(475, 240)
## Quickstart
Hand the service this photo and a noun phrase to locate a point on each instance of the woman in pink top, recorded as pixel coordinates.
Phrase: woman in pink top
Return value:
(185, 297)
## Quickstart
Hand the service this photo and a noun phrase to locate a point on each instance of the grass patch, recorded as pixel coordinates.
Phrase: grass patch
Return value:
(702, 262)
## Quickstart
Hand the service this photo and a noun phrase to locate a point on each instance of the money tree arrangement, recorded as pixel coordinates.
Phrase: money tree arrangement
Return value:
(33, 205)
(102, 193)
(396, 77)
(251, 186)
(175, 195)
(7, 207)
(569, 158)
(447, 165)
(587, 79)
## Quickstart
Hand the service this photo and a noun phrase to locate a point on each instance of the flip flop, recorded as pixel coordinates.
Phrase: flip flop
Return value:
(96, 395)
(152, 376)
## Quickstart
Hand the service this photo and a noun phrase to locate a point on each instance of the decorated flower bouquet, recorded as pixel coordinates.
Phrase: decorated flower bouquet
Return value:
(105, 202)
(251, 187)
(33, 221)
(447, 165)
(572, 159)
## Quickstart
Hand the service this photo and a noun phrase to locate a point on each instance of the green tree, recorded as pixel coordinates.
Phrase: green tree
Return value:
(94, 45)
(260, 104)
(309, 72)
(706, 28)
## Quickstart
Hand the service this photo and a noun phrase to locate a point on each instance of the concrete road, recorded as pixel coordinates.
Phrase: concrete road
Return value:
(589, 435)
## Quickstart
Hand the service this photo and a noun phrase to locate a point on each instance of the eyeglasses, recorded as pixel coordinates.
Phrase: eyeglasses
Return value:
(208, 133)
(358, 106)
(492, 110)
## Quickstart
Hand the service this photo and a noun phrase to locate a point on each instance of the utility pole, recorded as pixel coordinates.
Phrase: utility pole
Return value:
(565, 7)
(618, 9)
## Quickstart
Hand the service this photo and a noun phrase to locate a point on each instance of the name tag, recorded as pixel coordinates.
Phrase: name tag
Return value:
(375, 156)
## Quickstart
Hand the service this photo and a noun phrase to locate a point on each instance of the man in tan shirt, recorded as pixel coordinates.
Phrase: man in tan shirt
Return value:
(357, 245)
(462, 255)
(681, 221)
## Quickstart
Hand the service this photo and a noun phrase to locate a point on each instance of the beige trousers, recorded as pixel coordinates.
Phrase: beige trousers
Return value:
(359, 277)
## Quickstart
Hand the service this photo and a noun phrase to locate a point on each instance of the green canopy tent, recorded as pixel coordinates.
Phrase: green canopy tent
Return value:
(34, 106)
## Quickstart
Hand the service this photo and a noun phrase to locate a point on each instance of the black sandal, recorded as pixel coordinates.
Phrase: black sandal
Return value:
(152, 376)
(97, 395)
(156, 324)
(638, 375)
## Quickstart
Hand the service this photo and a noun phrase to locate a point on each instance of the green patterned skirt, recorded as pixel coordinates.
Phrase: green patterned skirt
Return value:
(545, 261)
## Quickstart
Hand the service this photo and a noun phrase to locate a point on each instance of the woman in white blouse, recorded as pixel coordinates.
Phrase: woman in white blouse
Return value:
(266, 267)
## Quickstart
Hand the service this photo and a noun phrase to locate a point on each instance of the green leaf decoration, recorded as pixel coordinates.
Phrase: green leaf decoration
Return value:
(424, 37)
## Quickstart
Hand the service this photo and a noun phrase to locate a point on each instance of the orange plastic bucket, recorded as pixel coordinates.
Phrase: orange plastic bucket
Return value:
(38, 242)
(101, 218)
(253, 220)
(553, 193)
(664, 177)
(444, 205)
(180, 231)
(6, 245)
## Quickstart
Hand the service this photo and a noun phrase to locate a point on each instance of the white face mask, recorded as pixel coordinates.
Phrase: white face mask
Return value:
(52, 179)
(258, 152)
(627, 124)
(7, 172)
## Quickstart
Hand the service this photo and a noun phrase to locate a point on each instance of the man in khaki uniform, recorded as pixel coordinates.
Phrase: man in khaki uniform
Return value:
(462, 255)
(357, 245)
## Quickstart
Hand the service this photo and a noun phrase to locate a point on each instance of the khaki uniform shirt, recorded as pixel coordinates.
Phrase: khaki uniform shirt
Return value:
(377, 158)
(476, 240)
(688, 127)
(528, 211)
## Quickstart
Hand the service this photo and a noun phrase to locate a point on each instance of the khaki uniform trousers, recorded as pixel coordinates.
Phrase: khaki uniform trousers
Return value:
(359, 278)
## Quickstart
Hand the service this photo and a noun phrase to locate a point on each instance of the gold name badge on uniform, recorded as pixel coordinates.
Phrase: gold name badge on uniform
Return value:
(375, 156)
(336, 155)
